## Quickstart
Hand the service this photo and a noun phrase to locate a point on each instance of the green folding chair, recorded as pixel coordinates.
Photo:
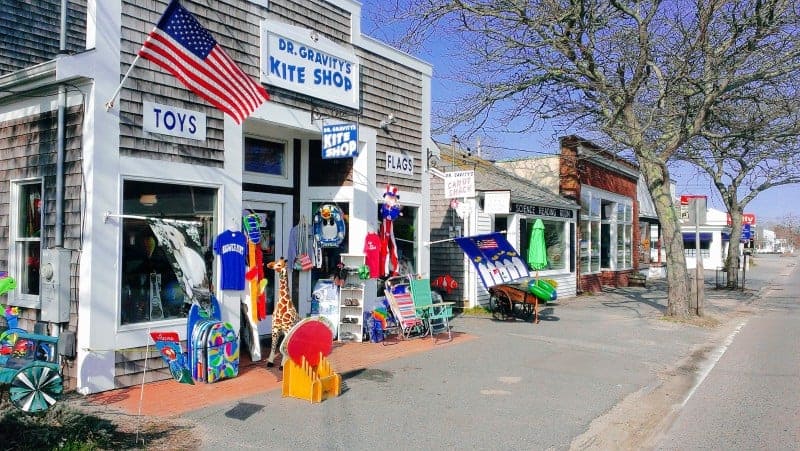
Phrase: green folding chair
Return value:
(436, 314)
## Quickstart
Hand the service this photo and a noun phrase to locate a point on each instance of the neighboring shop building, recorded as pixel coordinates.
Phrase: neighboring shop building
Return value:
(79, 180)
(714, 234)
(605, 186)
(502, 202)
(652, 259)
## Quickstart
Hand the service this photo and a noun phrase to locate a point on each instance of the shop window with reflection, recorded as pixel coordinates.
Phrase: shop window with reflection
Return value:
(555, 240)
(328, 171)
(166, 258)
(27, 237)
(405, 236)
(265, 157)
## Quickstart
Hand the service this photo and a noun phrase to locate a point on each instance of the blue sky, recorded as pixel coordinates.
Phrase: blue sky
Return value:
(769, 206)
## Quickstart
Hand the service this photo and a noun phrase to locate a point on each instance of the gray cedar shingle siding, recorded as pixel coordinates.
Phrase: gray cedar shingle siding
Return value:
(386, 87)
(28, 150)
(29, 32)
(445, 257)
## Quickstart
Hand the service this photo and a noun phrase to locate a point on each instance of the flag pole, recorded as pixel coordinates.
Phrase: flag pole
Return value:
(428, 243)
(110, 103)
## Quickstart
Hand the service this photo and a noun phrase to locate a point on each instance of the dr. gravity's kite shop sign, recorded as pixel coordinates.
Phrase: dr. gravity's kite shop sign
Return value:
(339, 141)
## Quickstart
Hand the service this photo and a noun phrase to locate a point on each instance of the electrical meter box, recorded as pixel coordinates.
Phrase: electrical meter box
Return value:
(54, 276)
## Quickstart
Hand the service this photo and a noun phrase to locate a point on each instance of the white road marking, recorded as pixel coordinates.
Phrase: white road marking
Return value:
(715, 356)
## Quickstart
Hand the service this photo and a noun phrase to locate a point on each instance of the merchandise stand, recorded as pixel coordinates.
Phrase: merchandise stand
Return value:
(311, 383)
(351, 301)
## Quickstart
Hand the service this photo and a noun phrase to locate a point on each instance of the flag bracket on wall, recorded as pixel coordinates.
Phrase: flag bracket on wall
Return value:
(180, 45)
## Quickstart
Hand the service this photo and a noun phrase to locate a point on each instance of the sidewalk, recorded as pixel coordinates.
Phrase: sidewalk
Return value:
(170, 398)
(578, 320)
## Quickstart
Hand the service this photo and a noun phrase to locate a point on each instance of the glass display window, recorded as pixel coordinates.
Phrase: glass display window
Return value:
(154, 275)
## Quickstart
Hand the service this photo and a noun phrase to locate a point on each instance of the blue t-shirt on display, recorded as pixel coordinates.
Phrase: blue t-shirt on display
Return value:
(231, 246)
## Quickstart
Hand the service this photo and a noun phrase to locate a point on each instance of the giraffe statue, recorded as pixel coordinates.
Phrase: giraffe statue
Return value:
(285, 315)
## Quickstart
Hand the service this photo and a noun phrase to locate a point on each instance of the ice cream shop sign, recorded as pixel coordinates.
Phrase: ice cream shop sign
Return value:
(303, 61)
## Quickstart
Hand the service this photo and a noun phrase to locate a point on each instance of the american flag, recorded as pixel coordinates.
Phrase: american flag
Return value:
(181, 46)
(489, 243)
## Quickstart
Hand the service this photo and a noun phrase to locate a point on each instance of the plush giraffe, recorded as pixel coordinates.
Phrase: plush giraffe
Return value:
(285, 315)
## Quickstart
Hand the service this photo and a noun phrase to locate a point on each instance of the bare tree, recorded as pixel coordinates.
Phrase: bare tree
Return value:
(644, 74)
(748, 147)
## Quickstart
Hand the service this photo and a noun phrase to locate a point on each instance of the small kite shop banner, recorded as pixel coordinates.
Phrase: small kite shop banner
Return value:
(494, 258)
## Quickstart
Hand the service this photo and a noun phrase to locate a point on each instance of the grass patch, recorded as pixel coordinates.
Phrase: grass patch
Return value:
(60, 427)
(476, 311)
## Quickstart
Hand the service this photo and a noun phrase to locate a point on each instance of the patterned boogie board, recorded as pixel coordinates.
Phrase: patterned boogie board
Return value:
(215, 351)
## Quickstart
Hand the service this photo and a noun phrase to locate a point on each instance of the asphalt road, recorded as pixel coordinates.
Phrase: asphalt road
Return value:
(749, 398)
(517, 386)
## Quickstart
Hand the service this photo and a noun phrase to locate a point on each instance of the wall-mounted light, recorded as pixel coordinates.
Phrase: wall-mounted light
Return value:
(390, 120)
(148, 200)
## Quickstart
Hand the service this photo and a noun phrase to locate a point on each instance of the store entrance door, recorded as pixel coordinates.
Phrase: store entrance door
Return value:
(274, 236)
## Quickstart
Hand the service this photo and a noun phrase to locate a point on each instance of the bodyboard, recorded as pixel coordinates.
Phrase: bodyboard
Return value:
(191, 320)
(308, 338)
(222, 352)
(197, 357)
(169, 347)
(249, 332)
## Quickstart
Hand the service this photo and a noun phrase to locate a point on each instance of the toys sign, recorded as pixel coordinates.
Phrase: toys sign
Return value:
(173, 121)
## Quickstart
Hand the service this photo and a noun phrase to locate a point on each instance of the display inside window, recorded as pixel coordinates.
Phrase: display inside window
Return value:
(585, 251)
(328, 171)
(330, 238)
(28, 239)
(405, 235)
(167, 250)
(265, 157)
(554, 238)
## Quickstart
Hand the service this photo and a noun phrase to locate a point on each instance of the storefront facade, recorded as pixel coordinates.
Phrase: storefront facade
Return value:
(506, 204)
(608, 222)
(161, 152)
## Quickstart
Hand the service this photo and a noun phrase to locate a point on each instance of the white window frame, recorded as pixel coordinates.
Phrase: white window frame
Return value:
(16, 297)
(286, 180)
(590, 195)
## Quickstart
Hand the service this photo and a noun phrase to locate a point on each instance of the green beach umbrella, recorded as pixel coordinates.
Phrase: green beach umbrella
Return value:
(537, 250)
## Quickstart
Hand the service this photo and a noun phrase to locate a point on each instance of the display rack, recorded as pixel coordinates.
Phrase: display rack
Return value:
(351, 301)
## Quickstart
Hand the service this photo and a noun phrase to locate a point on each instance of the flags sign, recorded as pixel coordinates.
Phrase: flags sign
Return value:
(182, 47)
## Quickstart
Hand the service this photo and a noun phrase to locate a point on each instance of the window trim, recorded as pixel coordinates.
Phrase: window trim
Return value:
(16, 297)
(215, 217)
(259, 178)
(588, 194)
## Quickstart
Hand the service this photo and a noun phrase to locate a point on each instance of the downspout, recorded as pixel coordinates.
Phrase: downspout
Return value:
(62, 103)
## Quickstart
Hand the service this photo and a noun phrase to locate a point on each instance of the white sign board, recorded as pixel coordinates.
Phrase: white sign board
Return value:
(497, 202)
(303, 61)
(169, 120)
(399, 163)
(459, 184)
(340, 141)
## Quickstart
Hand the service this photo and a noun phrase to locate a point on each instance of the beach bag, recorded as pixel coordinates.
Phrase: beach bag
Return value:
(302, 261)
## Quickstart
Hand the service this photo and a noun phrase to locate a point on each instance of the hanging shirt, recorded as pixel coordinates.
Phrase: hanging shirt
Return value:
(231, 246)
(372, 251)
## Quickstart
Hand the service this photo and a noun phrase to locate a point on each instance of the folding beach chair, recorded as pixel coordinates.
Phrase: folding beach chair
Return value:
(402, 304)
(436, 315)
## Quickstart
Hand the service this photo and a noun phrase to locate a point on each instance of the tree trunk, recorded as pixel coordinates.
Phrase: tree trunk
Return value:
(732, 261)
(656, 177)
